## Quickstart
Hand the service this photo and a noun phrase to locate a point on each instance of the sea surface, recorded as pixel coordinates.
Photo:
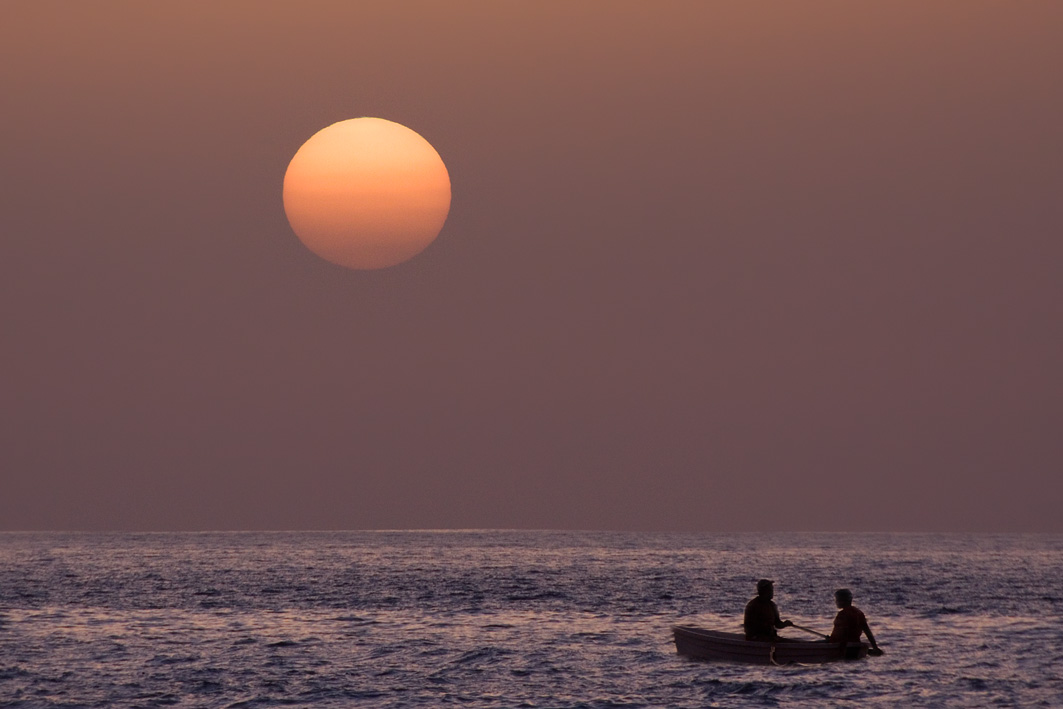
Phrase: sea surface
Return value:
(515, 619)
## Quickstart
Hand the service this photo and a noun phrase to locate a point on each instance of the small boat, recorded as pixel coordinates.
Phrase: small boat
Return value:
(733, 647)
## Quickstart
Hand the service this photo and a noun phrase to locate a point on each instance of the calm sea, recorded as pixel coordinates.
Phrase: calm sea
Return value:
(514, 619)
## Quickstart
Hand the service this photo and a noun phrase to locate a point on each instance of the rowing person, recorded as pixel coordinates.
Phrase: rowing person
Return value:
(850, 622)
(761, 619)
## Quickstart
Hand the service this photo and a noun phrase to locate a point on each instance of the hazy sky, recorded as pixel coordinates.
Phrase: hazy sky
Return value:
(708, 266)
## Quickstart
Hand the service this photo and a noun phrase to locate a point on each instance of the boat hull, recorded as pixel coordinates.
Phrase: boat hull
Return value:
(704, 644)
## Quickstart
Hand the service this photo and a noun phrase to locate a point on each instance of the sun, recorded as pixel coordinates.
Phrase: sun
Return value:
(366, 193)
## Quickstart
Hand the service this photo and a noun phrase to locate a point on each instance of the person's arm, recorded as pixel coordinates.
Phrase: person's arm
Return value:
(779, 622)
(871, 638)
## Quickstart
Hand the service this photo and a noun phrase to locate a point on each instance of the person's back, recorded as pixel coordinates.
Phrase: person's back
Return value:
(848, 625)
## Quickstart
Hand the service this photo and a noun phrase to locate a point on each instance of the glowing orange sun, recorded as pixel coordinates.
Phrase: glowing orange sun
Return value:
(366, 193)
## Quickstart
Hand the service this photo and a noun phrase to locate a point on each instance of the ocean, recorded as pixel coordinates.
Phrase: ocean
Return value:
(515, 619)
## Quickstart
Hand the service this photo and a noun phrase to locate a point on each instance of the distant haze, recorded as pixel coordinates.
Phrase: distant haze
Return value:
(708, 266)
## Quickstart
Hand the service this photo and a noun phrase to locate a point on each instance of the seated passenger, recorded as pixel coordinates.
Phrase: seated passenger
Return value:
(761, 618)
(850, 622)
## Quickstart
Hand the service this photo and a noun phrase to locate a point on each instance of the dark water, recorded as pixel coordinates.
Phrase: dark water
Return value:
(514, 619)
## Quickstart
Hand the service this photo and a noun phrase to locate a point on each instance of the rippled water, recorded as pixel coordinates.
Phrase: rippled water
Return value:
(507, 619)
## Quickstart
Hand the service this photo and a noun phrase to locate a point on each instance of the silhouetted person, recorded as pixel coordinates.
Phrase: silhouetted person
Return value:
(850, 622)
(761, 619)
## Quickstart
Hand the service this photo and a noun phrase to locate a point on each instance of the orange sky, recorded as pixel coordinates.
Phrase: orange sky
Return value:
(707, 266)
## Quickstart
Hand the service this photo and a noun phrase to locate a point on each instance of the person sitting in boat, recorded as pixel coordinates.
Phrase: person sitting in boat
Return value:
(850, 622)
(761, 619)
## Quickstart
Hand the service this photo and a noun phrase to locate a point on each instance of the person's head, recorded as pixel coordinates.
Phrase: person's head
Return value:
(843, 597)
(765, 588)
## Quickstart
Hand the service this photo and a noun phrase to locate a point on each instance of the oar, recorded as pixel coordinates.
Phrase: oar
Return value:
(809, 630)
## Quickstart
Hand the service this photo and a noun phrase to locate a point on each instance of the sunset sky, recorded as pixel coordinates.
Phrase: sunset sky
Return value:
(709, 266)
